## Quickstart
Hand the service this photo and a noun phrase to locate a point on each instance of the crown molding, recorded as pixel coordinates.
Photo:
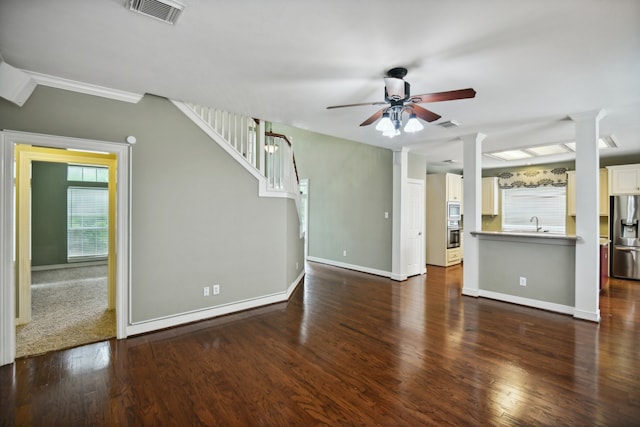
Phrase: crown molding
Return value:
(86, 88)
(15, 85)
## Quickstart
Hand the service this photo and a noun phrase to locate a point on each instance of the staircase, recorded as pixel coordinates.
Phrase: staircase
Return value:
(266, 155)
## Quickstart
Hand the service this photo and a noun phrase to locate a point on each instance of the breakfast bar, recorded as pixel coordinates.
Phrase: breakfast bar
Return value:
(535, 269)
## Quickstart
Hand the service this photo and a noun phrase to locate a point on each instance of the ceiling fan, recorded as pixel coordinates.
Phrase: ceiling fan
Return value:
(398, 99)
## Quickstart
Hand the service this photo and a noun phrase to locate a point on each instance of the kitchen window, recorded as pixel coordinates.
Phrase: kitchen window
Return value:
(548, 204)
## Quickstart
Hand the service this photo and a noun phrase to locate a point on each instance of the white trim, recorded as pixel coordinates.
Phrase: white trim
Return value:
(263, 190)
(292, 287)
(7, 256)
(470, 292)
(587, 315)
(398, 277)
(209, 313)
(123, 237)
(86, 88)
(352, 267)
(15, 85)
(199, 121)
(544, 305)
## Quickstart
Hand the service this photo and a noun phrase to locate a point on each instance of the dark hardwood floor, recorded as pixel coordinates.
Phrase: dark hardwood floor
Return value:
(350, 349)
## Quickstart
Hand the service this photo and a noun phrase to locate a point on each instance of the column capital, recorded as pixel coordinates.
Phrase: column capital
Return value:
(596, 115)
(473, 137)
(402, 149)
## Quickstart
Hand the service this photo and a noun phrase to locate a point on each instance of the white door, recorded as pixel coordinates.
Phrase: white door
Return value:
(415, 227)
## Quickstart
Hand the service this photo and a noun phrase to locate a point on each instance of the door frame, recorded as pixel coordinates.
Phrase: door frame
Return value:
(8, 256)
(24, 156)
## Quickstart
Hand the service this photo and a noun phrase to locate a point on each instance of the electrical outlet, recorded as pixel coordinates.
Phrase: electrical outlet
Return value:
(344, 253)
(386, 215)
(206, 291)
(216, 289)
(523, 281)
(296, 265)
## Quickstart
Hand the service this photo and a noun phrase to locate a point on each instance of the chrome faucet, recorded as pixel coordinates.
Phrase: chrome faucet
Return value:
(538, 228)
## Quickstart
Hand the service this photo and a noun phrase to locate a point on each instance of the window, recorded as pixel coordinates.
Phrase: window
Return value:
(519, 205)
(87, 212)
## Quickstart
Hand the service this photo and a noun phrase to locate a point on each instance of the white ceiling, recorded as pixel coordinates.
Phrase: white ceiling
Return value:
(532, 63)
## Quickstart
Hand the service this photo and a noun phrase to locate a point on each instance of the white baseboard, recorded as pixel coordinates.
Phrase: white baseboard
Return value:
(470, 292)
(544, 305)
(351, 266)
(587, 315)
(292, 287)
(209, 313)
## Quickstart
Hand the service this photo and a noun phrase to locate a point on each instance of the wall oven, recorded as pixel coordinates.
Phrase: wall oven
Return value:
(454, 213)
(453, 237)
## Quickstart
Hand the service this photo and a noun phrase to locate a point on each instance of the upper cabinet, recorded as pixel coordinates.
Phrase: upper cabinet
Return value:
(454, 188)
(604, 193)
(490, 196)
(624, 179)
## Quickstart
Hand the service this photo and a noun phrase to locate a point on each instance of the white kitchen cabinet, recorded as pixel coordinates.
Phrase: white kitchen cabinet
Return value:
(490, 196)
(441, 188)
(604, 193)
(454, 256)
(624, 179)
(454, 188)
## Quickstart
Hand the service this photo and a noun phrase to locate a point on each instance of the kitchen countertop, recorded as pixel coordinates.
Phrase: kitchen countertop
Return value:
(532, 237)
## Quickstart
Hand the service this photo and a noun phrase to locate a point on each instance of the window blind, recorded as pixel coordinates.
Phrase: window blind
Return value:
(519, 205)
(87, 222)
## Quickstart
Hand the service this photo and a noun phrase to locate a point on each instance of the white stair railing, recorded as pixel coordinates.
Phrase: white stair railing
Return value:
(240, 132)
(280, 167)
(266, 155)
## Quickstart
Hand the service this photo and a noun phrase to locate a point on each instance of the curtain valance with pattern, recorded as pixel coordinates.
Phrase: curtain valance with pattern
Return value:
(532, 178)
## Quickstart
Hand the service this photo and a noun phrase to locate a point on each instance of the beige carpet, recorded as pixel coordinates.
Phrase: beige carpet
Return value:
(66, 315)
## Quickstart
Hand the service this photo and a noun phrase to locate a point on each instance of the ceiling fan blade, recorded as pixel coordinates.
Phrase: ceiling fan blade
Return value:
(443, 96)
(424, 114)
(357, 105)
(373, 118)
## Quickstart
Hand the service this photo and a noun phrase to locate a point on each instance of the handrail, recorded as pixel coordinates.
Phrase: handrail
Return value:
(283, 136)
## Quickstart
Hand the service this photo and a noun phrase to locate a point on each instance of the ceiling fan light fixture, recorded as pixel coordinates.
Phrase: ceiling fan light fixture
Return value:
(271, 148)
(413, 124)
(391, 132)
(385, 123)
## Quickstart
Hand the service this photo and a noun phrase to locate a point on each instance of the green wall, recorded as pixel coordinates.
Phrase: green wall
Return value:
(48, 213)
(350, 189)
(549, 269)
(49, 185)
(196, 218)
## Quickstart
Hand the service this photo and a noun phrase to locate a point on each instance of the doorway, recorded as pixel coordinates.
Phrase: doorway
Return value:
(25, 155)
(69, 245)
(18, 150)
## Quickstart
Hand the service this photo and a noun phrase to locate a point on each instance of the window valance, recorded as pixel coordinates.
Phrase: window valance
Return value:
(530, 178)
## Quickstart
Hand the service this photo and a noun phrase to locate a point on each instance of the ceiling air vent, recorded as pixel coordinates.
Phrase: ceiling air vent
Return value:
(449, 124)
(165, 10)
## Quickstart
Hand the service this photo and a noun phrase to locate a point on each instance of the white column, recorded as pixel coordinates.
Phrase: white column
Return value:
(472, 210)
(400, 176)
(587, 286)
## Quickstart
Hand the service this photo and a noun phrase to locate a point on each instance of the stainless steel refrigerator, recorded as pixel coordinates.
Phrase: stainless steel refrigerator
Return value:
(625, 252)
